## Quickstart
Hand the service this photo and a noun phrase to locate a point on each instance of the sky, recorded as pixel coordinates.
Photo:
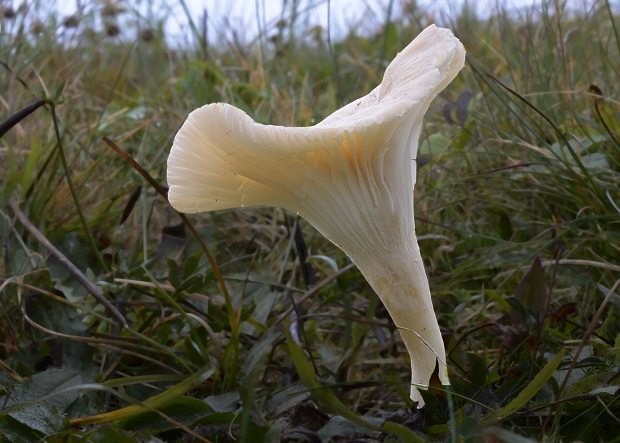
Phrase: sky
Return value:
(246, 17)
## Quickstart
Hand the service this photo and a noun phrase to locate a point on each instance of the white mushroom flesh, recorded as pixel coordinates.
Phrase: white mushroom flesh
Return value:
(351, 176)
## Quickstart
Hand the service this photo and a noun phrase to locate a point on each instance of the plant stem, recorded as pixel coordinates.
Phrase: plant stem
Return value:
(63, 159)
(453, 431)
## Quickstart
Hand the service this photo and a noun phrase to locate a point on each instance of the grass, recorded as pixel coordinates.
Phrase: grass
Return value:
(517, 207)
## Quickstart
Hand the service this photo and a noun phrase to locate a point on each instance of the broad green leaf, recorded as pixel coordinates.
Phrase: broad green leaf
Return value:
(25, 404)
(436, 144)
(254, 434)
(431, 401)
(526, 394)
(478, 371)
(338, 426)
(108, 434)
(253, 357)
(18, 432)
(59, 90)
(155, 402)
(439, 429)
(184, 410)
(71, 436)
(588, 383)
(173, 273)
(494, 296)
(460, 140)
(405, 434)
(191, 264)
(227, 402)
(286, 399)
(532, 291)
(323, 394)
(46, 383)
(471, 428)
(42, 418)
(273, 435)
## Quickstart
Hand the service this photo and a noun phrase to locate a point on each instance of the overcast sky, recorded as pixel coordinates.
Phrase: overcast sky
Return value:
(244, 16)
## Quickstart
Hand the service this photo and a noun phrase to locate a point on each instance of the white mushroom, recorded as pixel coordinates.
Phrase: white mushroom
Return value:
(351, 176)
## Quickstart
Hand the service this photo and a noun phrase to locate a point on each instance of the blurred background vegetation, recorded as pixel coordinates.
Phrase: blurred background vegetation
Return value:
(517, 207)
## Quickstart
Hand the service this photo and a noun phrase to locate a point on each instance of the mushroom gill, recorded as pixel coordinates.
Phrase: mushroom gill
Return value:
(351, 176)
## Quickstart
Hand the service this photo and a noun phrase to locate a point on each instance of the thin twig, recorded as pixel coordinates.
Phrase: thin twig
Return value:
(465, 334)
(583, 328)
(315, 289)
(600, 116)
(607, 409)
(361, 320)
(554, 403)
(540, 321)
(76, 201)
(163, 191)
(331, 54)
(79, 275)
(584, 340)
(386, 34)
(14, 119)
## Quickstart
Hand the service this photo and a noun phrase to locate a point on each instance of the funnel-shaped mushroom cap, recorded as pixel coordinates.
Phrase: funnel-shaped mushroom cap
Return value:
(351, 176)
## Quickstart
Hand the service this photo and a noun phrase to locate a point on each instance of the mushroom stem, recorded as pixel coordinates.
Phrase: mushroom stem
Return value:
(399, 279)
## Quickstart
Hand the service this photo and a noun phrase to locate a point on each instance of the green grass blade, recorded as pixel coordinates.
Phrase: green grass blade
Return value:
(526, 394)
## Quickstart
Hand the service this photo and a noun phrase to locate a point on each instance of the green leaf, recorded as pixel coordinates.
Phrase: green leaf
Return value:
(18, 432)
(71, 436)
(338, 426)
(494, 296)
(42, 418)
(227, 402)
(503, 223)
(174, 275)
(11, 176)
(589, 383)
(532, 291)
(59, 90)
(25, 404)
(471, 428)
(28, 173)
(286, 399)
(405, 434)
(55, 315)
(253, 357)
(436, 144)
(323, 394)
(526, 394)
(108, 434)
(185, 410)
(439, 429)
(478, 371)
(273, 435)
(460, 140)
(191, 264)
(156, 401)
